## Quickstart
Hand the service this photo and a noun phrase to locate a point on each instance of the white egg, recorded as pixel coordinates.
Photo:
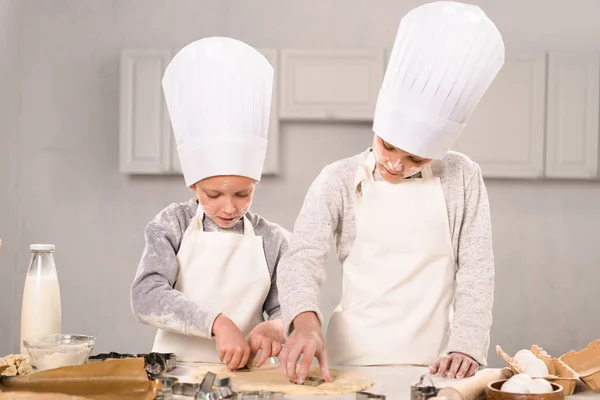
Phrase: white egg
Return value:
(536, 369)
(526, 379)
(540, 386)
(515, 386)
(524, 356)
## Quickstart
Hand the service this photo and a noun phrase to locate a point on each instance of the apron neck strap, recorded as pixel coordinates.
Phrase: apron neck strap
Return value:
(369, 167)
(426, 172)
(248, 228)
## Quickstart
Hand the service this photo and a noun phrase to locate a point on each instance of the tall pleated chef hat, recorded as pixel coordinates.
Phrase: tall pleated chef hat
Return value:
(218, 93)
(445, 56)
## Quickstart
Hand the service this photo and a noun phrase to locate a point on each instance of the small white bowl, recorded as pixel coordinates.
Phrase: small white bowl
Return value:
(58, 350)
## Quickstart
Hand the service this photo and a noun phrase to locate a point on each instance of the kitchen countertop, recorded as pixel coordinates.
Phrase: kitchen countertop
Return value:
(392, 381)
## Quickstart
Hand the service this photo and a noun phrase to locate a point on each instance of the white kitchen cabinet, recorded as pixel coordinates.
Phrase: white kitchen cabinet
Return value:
(144, 126)
(339, 85)
(147, 144)
(505, 134)
(573, 107)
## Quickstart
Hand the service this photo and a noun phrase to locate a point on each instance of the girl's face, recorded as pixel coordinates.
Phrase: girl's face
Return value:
(225, 199)
(394, 164)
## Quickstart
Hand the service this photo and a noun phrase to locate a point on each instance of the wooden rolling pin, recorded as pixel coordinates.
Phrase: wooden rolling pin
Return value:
(473, 388)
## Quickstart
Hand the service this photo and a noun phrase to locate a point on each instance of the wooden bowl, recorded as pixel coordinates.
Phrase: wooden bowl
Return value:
(493, 392)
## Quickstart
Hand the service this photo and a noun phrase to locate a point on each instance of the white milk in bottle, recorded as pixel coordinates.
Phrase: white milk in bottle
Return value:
(41, 309)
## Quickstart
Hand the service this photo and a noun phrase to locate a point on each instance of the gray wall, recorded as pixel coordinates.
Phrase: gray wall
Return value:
(9, 139)
(60, 183)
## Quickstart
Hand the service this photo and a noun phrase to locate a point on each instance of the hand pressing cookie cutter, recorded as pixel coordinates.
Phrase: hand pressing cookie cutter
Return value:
(421, 392)
(367, 395)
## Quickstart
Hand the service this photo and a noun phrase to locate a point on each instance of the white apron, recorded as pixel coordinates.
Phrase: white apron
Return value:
(398, 280)
(222, 272)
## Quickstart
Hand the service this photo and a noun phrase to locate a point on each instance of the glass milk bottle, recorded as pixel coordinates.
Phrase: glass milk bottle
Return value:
(41, 309)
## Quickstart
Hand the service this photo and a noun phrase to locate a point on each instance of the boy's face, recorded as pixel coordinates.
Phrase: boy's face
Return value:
(225, 199)
(395, 164)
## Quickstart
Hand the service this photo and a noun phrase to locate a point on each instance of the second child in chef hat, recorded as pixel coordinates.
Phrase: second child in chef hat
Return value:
(202, 255)
(417, 254)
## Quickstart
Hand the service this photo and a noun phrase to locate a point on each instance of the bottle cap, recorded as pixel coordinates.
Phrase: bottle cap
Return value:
(42, 247)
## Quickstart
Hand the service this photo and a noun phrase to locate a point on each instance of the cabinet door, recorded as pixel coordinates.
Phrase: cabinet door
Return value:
(330, 84)
(505, 133)
(573, 92)
(144, 127)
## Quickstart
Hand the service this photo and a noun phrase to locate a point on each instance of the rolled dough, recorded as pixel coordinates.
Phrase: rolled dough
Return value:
(270, 377)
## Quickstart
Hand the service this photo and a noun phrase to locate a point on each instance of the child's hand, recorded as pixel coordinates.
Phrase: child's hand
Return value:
(267, 336)
(231, 344)
(454, 365)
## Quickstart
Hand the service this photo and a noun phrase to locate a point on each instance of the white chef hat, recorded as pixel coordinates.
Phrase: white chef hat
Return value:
(445, 57)
(218, 93)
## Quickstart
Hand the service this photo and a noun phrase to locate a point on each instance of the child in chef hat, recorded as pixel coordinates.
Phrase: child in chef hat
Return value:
(207, 273)
(411, 218)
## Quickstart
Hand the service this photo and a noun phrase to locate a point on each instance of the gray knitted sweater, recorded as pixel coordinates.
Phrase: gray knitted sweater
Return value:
(328, 211)
(153, 299)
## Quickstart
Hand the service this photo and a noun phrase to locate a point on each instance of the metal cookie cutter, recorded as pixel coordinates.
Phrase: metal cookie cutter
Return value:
(206, 386)
(168, 381)
(211, 389)
(312, 381)
(367, 395)
(422, 392)
(164, 395)
(157, 363)
(186, 389)
(218, 393)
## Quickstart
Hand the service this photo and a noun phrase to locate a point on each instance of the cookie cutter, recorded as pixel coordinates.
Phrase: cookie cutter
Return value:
(422, 392)
(218, 393)
(157, 363)
(224, 382)
(206, 386)
(168, 382)
(186, 389)
(367, 395)
(164, 395)
(212, 388)
(154, 363)
(312, 381)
